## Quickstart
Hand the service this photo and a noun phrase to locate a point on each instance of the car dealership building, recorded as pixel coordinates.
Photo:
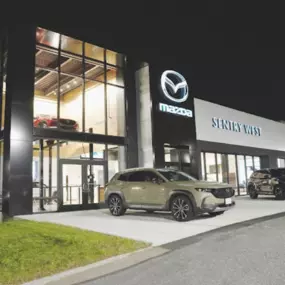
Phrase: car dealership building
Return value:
(74, 113)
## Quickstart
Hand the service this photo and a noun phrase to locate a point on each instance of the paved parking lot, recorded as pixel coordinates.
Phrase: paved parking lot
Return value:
(159, 228)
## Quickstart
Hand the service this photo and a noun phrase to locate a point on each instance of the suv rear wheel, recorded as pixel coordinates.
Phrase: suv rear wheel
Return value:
(116, 206)
(252, 192)
(181, 208)
(279, 193)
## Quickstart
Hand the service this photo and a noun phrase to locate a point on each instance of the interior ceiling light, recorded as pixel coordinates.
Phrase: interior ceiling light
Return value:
(74, 82)
(61, 90)
(67, 85)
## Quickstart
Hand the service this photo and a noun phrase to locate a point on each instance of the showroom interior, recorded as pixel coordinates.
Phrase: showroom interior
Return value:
(74, 113)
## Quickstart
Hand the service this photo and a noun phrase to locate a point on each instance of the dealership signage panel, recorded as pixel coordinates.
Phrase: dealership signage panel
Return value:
(229, 125)
(175, 89)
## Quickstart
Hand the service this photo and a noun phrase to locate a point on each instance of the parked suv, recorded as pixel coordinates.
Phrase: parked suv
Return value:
(267, 182)
(166, 190)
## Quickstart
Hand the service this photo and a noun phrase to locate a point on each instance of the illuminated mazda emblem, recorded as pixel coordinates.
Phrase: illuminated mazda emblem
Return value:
(174, 86)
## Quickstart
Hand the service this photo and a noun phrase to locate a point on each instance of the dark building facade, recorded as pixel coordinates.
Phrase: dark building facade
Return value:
(74, 113)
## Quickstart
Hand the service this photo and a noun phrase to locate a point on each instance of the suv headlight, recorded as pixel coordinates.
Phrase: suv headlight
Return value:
(203, 190)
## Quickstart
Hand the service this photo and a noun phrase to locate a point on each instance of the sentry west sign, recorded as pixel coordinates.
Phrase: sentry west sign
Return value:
(229, 125)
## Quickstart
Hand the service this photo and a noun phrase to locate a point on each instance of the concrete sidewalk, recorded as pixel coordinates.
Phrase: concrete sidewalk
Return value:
(159, 228)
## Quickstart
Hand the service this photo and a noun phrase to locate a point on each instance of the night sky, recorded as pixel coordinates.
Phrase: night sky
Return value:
(236, 51)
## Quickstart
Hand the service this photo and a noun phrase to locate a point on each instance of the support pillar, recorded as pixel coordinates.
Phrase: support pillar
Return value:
(18, 128)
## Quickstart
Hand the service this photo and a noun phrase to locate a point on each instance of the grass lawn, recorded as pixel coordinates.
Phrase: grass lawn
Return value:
(31, 250)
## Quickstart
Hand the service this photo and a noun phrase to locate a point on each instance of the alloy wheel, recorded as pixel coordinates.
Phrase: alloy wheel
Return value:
(181, 209)
(116, 206)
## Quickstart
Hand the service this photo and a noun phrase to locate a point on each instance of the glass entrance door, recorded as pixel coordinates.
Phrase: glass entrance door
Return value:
(81, 183)
(177, 158)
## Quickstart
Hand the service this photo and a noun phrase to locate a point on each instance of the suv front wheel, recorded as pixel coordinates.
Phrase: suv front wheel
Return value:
(252, 192)
(116, 206)
(181, 208)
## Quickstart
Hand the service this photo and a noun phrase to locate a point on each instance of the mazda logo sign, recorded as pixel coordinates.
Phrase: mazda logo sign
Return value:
(174, 86)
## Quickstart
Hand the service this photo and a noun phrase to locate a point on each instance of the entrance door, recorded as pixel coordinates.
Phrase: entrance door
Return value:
(81, 183)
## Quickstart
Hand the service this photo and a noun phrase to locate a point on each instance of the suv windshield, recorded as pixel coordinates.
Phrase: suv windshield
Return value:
(174, 175)
(278, 172)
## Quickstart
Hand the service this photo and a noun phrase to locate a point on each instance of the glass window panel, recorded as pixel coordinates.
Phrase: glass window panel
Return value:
(115, 58)
(47, 37)
(249, 166)
(256, 162)
(96, 182)
(46, 59)
(166, 155)
(72, 184)
(72, 65)
(202, 166)
(115, 111)
(94, 52)
(94, 71)
(71, 45)
(115, 76)
(80, 150)
(95, 107)
(45, 81)
(171, 155)
(222, 168)
(71, 104)
(281, 162)
(45, 97)
(185, 155)
(232, 171)
(211, 167)
(116, 159)
(47, 198)
(241, 174)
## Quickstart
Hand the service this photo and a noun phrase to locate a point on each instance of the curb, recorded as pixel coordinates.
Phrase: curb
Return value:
(112, 265)
(100, 268)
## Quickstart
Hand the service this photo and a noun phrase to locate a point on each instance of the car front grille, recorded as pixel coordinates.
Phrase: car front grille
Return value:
(223, 192)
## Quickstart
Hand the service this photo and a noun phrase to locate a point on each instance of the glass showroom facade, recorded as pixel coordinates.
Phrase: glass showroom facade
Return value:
(78, 87)
(229, 168)
(63, 126)
(74, 113)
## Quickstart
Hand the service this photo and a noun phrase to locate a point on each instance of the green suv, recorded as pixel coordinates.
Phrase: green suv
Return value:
(166, 190)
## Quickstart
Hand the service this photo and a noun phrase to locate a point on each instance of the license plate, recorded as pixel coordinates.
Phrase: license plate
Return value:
(228, 201)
